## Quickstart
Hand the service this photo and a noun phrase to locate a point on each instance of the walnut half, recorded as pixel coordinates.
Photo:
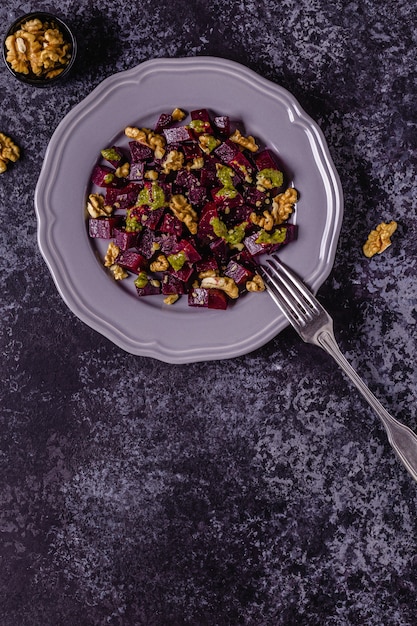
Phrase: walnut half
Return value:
(379, 239)
(9, 152)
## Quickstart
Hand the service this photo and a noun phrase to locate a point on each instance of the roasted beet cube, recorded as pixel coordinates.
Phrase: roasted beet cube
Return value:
(238, 272)
(139, 152)
(168, 244)
(222, 124)
(151, 217)
(147, 243)
(150, 289)
(266, 159)
(198, 297)
(241, 164)
(132, 261)
(123, 197)
(192, 150)
(237, 215)
(206, 265)
(102, 227)
(205, 229)
(172, 285)
(255, 247)
(136, 171)
(186, 180)
(171, 224)
(220, 250)
(103, 176)
(200, 121)
(184, 273)
(197, 196)
(178, 134)
(226, 151)
(164, 121)
(189, 250)
(255, 197)
(217, 299)
(124, 239)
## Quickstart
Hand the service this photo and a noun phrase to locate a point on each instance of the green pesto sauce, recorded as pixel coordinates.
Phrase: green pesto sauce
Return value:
(225, 176)
(198, 125)
(177, 260)
(157, 194)
(142, 280)
(277, 236)
(109, 178)
(233, 236)
(133, 224)
(275, 177)
(110, 154)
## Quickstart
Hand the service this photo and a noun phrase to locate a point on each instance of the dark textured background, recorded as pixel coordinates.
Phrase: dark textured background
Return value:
(258, 491)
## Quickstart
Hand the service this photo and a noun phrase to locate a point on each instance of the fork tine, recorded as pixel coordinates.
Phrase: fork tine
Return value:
(298, 304)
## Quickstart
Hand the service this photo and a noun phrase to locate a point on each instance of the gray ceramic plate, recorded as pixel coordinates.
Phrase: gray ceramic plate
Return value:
(180, 334)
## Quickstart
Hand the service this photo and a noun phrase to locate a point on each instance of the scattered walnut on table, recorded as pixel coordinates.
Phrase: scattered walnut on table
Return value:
(9, 152)
(379, 239)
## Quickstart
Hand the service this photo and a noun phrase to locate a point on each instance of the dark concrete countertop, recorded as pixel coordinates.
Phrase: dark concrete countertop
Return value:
(259, 490)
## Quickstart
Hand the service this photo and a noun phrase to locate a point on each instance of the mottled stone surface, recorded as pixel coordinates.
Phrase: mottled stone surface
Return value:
(258, 491)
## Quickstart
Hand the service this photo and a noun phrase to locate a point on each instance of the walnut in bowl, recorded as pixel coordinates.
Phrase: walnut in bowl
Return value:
(39, 49)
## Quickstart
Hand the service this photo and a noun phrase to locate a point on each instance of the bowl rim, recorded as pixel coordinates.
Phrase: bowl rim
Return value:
(28, 79)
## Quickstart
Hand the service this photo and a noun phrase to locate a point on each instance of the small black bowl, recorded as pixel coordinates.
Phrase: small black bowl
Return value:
(54, 22)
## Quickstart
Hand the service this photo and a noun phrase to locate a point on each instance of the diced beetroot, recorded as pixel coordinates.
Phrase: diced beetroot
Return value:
(103, 176)
(192, 150)
(198, 297)
(217, 299)
(261, 248)
(226, 151)
(221, 250)
(197, 196)
(189, 250)
(242, 166)
(206, 265)
(239, 214)
(124, 239)
(139, 152)
(255, 197)
(136, 171)
(132, 261)
(205, 229)
(102, 227)
(149, 290)
(202, 115)
(238, 272)
(172, 285)
(151, 217)
(171, 224)
(124, 197)
(186, 180)
(266, 159)
(178, 134)
(184, 274)
(164, 121)
(147, 243)
(222, 125)
(168, 244)
(224, 201)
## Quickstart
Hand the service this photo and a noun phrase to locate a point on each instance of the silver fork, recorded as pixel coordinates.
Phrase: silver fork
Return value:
(314, 325)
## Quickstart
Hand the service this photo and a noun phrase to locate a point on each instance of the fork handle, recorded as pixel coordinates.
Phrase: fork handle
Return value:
(402, 439)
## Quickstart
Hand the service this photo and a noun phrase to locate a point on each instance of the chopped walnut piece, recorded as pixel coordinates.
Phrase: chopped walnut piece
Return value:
(9, 152)
(173, 162)
(183, 210)
(171, 299)
(118, 272)
(379, 239)
(255, 284)
(96, 206)
(283, 205)
(224, 283)
(123, 170)
(208, 142)
(265, 221)
(38, 47)
(177, 115)
(246, 142)
(160, 264)
(154, 141)
(112, 253)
